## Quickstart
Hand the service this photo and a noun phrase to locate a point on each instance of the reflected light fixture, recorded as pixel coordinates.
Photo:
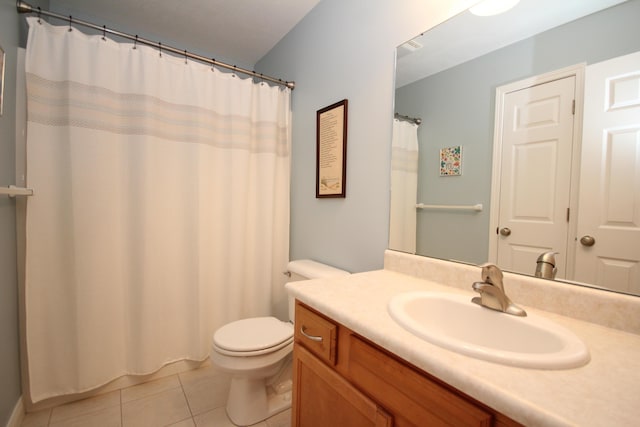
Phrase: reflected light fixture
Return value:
(492, 7)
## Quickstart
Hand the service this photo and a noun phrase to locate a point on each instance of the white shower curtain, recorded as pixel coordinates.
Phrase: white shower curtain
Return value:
(161, 207)
(404, 186)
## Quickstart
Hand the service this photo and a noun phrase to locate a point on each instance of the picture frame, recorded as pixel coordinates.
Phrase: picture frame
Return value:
(2, 64)
(331, 150)
(451, 161)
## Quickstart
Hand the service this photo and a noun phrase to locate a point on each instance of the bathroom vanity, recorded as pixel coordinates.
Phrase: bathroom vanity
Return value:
(341, 378)
(354, 365)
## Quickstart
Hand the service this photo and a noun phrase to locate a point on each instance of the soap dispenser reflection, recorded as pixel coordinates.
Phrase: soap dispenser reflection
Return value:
(546, 265)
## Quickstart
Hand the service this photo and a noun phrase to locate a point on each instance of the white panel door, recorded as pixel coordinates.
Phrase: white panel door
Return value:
(535, 183)
(610, 177)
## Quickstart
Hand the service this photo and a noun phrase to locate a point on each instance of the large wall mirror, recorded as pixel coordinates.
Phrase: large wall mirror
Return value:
(517, 135)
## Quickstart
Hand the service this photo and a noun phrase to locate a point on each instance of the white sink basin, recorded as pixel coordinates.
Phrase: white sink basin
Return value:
(452, 321)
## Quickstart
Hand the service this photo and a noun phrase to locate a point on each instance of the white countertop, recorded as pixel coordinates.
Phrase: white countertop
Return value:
(605, 392)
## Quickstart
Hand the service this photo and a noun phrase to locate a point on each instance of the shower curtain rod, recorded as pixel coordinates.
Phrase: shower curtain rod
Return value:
(24, 7)
(408, 119)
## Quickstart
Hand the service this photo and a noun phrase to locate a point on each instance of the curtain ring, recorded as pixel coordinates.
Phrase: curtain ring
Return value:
(104, 32)
(135, 42)
(39, 14)
(234, 71)
(160, 48)
(70, 21)
(185, 57)
(261, 80)
(213, 64)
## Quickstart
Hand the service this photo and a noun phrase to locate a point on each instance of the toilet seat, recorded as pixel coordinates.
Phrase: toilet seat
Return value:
(253, 337)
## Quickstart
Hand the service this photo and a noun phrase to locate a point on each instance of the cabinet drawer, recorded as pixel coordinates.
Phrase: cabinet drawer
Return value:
(415, 399)
(316, 333)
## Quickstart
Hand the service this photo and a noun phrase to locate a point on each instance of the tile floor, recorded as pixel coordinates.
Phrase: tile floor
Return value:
(189, 399)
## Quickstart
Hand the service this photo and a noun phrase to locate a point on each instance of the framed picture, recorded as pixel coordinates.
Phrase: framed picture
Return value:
(2, 61)
(451, 161)
(331, 150)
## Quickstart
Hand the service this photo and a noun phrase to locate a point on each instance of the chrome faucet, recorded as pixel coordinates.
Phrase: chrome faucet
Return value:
(546, 265)
(492, 293)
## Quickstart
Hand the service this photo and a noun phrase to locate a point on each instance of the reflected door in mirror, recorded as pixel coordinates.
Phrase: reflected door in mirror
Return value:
(610, 179)
(535, 182)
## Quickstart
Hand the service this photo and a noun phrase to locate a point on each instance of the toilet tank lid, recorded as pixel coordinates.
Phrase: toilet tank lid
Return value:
(314, 270)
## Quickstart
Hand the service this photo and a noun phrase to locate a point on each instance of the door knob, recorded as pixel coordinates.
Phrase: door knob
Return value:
(505, 231)
(587, 240)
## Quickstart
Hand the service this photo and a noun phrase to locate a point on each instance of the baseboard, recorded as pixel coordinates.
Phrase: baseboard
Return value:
(17, 416)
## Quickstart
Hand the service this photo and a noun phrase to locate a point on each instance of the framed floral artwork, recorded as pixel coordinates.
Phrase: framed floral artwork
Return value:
(451, 161)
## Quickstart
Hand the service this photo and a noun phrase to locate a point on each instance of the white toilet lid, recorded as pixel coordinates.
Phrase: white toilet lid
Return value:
(253, 334)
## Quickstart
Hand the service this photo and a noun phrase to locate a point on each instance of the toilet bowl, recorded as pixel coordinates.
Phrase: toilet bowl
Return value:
(257, 353)
(253, 350)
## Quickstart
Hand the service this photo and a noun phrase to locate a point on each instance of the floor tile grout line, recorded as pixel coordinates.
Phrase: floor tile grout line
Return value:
(120, 402)
(90, 412)
(184, 393)
(147, 395)
(121, 411)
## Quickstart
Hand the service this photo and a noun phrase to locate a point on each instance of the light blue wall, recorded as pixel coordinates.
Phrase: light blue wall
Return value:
(457, 108)
(10, 387)
(91, 12)
(346, 49)
(9, 341)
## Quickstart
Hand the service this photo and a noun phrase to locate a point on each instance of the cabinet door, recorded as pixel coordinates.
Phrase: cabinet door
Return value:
(414, 399)
(323, 398)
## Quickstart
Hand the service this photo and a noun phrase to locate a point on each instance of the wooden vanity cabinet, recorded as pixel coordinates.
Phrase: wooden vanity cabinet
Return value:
(342, 380)
(322, 397)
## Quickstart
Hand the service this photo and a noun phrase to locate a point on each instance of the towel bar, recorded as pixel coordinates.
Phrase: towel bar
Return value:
(13, 191)
(476, 207)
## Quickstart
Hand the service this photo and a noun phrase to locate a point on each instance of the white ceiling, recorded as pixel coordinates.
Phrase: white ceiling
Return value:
(467, 36)
(238, 31)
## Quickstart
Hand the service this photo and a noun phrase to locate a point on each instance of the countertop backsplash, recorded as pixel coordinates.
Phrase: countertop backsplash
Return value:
(609, 309)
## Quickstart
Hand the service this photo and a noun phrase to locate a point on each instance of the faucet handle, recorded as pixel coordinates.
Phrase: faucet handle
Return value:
(492, 293)
(491, 273)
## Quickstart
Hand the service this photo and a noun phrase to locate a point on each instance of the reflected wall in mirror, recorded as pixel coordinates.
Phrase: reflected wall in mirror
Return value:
(453, 76)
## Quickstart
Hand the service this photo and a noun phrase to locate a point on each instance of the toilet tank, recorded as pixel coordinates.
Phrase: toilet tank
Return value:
(306, 269)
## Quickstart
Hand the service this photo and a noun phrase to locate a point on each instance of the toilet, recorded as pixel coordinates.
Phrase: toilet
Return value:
(258, 352)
